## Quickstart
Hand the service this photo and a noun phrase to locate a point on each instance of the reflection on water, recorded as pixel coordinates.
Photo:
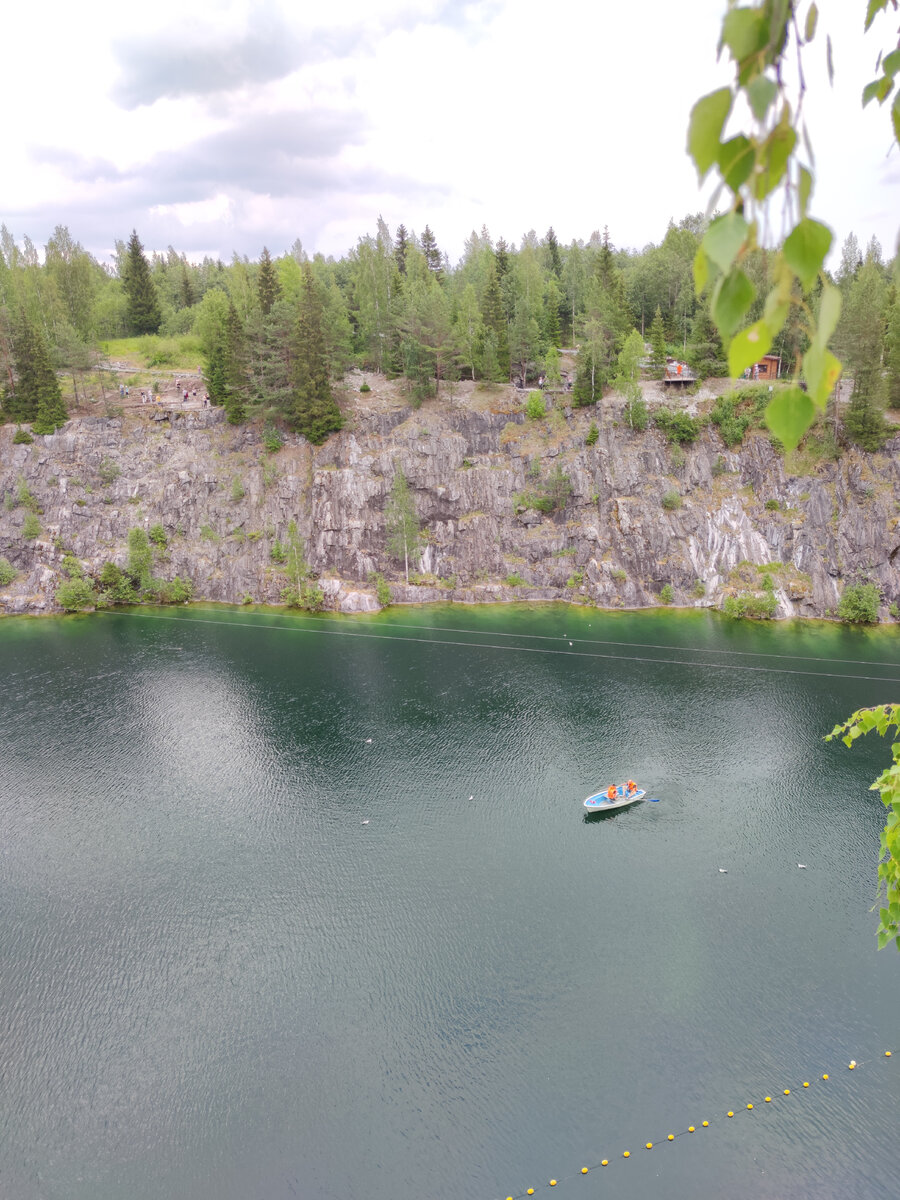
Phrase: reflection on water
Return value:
(313, 908)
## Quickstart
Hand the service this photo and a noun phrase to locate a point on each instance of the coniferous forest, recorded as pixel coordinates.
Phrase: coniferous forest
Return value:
(275, 334)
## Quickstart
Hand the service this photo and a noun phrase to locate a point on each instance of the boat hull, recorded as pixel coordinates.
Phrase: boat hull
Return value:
(602, 803)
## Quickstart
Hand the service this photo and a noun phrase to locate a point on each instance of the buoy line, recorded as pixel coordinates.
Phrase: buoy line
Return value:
(671, 1137)
(383, 637)
(584, 641)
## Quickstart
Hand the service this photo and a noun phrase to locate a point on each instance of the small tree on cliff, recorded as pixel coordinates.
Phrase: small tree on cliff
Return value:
(401, 523)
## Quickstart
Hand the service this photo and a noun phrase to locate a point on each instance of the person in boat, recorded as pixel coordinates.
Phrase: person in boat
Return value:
(611, 792)
(630, 787)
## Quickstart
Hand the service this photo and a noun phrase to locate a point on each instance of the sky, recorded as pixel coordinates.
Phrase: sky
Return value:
(221, 126)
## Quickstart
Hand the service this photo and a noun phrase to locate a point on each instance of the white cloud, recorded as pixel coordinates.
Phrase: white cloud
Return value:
(509, 114)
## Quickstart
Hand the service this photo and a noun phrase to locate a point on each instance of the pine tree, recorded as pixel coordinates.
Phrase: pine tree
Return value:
(268, 284)
(36, 396)
(657, 345)
(314, 412)
(143, 305)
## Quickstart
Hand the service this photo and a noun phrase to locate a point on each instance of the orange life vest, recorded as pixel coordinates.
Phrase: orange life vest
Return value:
(611, 792)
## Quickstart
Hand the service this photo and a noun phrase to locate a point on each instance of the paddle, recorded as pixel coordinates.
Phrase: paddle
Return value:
(652, 799)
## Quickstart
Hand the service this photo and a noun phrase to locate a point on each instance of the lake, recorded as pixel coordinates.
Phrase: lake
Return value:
(298, 907)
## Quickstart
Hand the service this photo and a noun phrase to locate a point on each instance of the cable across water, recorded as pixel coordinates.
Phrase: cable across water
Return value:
(546, 650)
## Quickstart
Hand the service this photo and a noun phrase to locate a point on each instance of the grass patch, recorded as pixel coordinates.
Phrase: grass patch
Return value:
(180, 353)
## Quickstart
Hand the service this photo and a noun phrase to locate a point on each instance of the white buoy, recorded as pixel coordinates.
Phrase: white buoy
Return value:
(802, 866)
(368, 741)
(471, 797)
(366, 821)
(722, 871)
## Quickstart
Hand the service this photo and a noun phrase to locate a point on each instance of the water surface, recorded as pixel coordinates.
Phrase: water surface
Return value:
(298, 907)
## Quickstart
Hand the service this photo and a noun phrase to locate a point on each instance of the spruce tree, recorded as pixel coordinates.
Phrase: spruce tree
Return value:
(892, 352)
(431, 252)
(314, 412)
(186, 297)
(268, 283)
(495, 320)
(234, 367)
(143, 314)
(35, 396)
(554, 260)
(400, 246)
(657, 345)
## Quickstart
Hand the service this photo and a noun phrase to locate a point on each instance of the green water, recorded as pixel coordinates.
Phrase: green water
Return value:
(309, 908)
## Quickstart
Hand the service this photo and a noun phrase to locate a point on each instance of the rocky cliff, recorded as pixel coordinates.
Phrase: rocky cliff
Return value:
(640, 513)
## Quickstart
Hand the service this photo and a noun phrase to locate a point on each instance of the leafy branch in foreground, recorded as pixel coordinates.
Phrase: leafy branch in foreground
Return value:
(882, 719)
(756, 166)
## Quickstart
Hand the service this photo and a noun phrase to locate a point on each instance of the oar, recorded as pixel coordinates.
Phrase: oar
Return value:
(652, 799)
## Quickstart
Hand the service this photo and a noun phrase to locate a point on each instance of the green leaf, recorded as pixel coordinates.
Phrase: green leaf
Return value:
(821, 370)
(870, 91)
(891, 64)
(724, 238)
(745, 31)
(789, 415)
(804, 189)
(875, 7)
(701, 270)
(708, 116)
(777, 149)
(812, 18)
(805, 249)
(733, 296)
(760, 93)
(829, 314)
(829, 59)
(736, 158)
(748, 347)
(776, 310)
(895, 116)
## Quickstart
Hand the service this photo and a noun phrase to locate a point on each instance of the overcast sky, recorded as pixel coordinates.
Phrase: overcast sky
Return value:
(222, 125)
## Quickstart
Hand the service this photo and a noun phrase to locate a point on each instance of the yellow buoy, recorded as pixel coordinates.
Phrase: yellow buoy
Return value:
(731, 1114)
(690, 1129)
(605, 1162)
(553, 1183)
(806, 1085)
(887, 1054)
(787, 1091)
(768, 1099)
(626, 1154)
(749, 1105)
(852, 1064)
(705, 1124)
(671, 1137)
(584, 1170)
(531, 1191)
(824, 1076)
(649, 1145)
